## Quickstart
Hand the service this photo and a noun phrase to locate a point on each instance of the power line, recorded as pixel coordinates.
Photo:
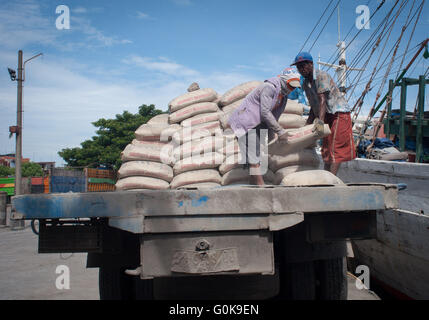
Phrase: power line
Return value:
(317, 23)
(329, 18)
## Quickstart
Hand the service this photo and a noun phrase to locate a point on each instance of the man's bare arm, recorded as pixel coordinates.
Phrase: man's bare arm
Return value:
(311, 117)
(323, 102)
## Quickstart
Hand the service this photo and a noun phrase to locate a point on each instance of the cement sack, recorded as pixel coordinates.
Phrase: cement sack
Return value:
(291, 121)
(147, 169)
(294, 107)
(196, 132)
(192, 110)
(238, 92)
(231, 107)
(230, 148)
(197, 162)
(231, 162)
(300, 139)
(306, 157)
(284, 172)
(197, 96)
(131, 183)
(193, 87)
(159, 119)
(197, 147)
(143, 143)
(156, 132)
(201, 118)
(311, 178)
(241, 176)
(197, 176)
(204, 185)
(156, 153)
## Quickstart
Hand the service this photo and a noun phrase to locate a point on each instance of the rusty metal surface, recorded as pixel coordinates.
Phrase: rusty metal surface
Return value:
(244, 252)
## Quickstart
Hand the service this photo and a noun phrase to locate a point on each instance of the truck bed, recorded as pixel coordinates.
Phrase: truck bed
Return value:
(186, 210)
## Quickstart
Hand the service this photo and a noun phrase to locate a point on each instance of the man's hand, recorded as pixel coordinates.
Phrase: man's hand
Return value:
(318, 125)
(284, 137)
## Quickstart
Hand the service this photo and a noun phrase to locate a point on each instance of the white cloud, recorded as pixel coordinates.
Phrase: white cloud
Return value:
(162, 65)
(22, 23)
(142, 15)
(79, 10)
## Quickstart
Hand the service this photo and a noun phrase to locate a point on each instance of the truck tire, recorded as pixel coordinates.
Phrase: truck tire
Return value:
(114, 284)
(332, 274)
(298, 281)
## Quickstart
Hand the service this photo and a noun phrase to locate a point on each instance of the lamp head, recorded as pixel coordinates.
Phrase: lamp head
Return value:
(12, 74)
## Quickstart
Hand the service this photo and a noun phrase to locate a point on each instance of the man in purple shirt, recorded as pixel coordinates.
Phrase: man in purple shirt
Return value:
(261, 110)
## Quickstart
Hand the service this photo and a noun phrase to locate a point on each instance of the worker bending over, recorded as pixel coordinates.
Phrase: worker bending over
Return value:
(261, 110)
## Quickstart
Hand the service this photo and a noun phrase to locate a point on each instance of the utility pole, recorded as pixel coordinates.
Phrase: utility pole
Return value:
(18, 128)
(18, 152)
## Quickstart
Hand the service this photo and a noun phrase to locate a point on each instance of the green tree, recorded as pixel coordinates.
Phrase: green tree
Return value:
(6, 171)
(31, 169)
(113, 135)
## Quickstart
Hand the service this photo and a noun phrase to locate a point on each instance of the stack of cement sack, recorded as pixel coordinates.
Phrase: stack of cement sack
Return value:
(147, 161)
(190, 147)
(298, 154)
(303, 159)
(232, 99)
(196, 144)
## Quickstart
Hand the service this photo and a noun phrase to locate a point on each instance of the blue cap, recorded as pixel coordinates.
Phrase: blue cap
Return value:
(301, 57)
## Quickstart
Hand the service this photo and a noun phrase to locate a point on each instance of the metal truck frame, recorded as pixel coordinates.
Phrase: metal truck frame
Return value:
(237, 242)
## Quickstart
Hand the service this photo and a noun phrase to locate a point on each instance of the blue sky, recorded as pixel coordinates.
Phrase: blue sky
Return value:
(118, 55)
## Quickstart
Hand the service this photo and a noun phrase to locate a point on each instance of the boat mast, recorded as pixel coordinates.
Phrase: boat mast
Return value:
(341, 68)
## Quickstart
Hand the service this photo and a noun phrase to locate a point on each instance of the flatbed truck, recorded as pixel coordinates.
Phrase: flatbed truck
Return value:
(234, 242)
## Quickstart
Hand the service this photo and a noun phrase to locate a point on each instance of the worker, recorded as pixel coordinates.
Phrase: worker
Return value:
(329, 105)
(260, 110)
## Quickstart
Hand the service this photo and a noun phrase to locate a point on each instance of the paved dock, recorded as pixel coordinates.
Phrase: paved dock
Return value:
(25, 274)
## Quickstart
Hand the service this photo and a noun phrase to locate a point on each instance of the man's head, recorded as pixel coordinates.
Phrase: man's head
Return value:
(291, 77)
(304, 64)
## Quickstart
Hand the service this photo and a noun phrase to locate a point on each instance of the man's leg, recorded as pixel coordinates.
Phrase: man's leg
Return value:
(332, 167)
(256, 178)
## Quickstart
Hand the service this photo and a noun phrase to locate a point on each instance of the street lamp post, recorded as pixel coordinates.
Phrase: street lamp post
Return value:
(18, 129)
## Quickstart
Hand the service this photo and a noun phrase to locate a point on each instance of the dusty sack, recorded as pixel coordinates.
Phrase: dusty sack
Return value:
(192, 110)
(198, 146)
(156, 132)
(311, 178)
(159, 119)
(231, 107)
(157, 153)
(131, 183)
(144, 143)
(284, 172)
(301, 138)
(146, 168)
(201, 118)
(291, 121)
(203, 185)
(238, 92)
(294, 107)
(231, 162)
(197, 176)
(307, 157)
(196, 162)
(195, 132)
(241, 176)
(197, 96)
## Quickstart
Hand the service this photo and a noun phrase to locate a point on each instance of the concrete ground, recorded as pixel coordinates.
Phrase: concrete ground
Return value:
(25, 274)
